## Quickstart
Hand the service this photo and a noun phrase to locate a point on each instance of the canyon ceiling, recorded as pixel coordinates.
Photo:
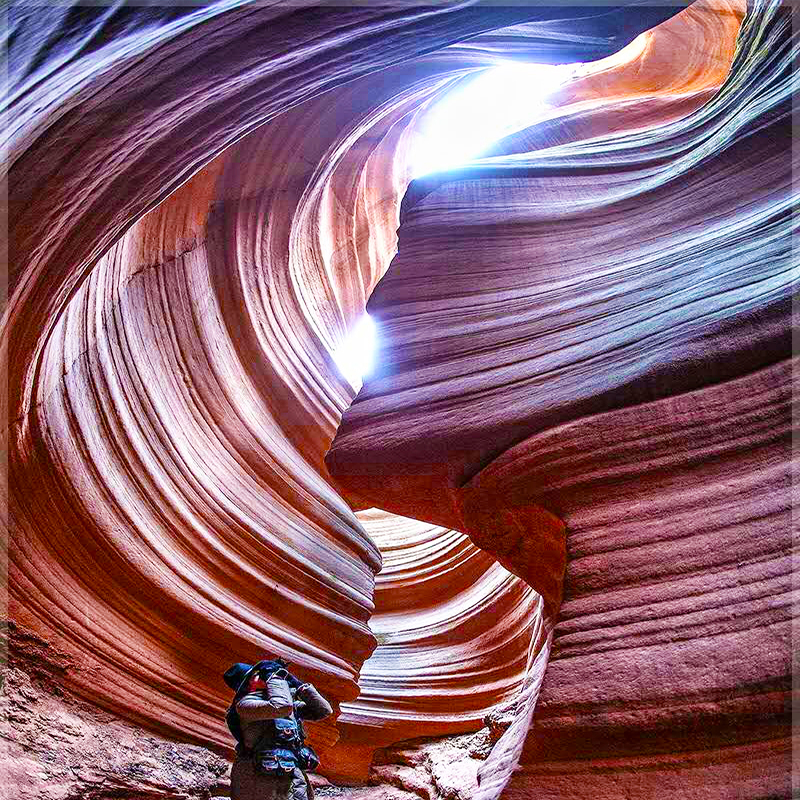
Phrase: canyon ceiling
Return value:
(566, 488)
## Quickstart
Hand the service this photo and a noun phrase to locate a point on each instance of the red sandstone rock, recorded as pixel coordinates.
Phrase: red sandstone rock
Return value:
(454, 629)
(631, 379)
(62, 748)
(172, 395)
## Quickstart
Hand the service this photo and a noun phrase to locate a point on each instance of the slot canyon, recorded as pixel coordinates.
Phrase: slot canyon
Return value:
(545, 551)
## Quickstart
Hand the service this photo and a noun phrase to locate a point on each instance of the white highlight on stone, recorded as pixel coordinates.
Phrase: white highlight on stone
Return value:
(499, 101)
(356, 354)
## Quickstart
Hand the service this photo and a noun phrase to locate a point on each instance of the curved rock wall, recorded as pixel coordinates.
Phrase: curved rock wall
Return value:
(454, 633)
(604, 336)
(187, 396)
(171, 388)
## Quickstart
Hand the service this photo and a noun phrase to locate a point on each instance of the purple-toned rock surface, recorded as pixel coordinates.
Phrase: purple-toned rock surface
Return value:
(582, 396)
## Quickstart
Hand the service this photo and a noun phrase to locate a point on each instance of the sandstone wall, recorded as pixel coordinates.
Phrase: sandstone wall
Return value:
(618, 270)
(604, 338)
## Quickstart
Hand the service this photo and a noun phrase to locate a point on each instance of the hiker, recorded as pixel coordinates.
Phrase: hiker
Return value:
(265, 718)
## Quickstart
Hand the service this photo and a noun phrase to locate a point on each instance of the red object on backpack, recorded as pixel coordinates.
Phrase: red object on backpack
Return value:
(257, 683)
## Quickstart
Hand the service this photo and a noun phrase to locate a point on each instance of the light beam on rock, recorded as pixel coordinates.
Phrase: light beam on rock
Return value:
(497, 102)
(356, 355)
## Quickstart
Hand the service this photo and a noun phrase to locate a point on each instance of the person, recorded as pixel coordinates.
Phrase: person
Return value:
(266, 692)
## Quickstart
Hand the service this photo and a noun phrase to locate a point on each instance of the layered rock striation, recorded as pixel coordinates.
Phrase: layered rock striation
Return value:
(604, 335)
(455, 631)
(584, 372)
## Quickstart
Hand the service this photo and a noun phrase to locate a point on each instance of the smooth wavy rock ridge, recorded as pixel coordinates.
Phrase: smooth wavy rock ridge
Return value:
(559, 510)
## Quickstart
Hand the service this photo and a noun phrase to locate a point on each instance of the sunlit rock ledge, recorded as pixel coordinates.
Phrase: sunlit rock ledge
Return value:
(577, 429)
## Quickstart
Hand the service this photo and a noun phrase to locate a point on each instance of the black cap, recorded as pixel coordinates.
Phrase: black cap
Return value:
(235, 675)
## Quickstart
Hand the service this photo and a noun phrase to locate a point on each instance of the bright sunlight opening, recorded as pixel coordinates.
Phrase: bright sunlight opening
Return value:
(356, 354)
(499, 101)
(493, 104)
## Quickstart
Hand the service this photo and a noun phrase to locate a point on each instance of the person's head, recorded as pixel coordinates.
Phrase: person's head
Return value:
(236, 674)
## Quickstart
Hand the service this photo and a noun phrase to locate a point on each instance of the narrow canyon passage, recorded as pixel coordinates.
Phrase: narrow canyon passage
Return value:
(545, 551)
